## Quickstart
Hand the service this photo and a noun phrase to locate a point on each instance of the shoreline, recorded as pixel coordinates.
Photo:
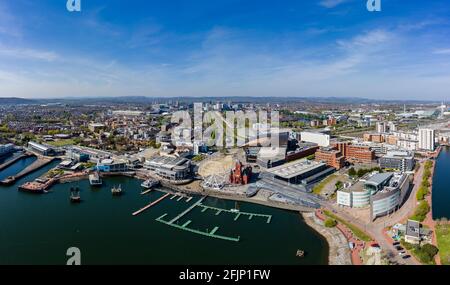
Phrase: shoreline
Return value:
(338, 251)
(429, 220)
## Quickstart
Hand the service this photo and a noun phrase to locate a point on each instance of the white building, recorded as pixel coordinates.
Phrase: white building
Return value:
(426, 139)
(392, 127)
(406, 144)
(344, 198)
(315, 137)
(381, 127)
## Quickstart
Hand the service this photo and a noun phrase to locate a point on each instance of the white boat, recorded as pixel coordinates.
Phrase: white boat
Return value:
(116, 191)
(95, 180)
(150, 183)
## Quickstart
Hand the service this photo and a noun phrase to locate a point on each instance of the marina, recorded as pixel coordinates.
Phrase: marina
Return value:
(174, 222)
(99, 217)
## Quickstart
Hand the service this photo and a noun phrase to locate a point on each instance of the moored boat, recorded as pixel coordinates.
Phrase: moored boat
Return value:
(95, 180)
(117, 191)
(150, 183)
(75, 195)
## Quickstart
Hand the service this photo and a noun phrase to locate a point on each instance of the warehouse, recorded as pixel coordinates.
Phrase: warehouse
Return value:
(43, 149)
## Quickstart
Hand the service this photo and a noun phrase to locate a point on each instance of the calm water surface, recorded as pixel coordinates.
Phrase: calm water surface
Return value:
(441, 185)
(38, 229)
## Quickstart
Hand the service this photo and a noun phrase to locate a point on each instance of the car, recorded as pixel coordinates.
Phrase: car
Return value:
(406, 256)
(395, 243)
(399, 248)
(401, 253)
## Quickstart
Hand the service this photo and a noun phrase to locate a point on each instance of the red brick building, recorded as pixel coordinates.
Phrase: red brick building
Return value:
(355, 153)
(332, 157)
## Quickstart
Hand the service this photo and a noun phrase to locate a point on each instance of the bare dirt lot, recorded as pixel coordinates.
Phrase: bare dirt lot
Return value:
(221, 164)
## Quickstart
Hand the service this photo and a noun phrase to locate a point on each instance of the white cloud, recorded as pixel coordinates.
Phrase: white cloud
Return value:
(30, 54)
(331, 3)
(442, 51)
(371, 38)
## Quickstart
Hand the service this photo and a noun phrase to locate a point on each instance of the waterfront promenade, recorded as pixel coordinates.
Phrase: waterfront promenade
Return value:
(339, 252)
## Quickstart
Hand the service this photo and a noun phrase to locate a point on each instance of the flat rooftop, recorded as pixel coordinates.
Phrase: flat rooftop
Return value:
(295, 168)
(379, 178)
(167, 161)
(413, 228)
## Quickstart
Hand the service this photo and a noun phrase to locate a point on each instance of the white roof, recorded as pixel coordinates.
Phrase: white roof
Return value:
(295, 168)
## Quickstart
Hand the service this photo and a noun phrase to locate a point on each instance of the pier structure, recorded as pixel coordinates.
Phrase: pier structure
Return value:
(151, 205)
(213, 233)
(238, 214)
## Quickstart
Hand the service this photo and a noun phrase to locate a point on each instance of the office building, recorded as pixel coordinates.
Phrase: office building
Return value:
(397, 160)
(384, 193)
(331, 157)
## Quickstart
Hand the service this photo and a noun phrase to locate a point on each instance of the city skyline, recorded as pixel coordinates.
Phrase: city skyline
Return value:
(318, 49)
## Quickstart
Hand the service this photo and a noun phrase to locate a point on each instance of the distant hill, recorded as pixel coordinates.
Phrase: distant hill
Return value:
(235, 99)
(16, 101)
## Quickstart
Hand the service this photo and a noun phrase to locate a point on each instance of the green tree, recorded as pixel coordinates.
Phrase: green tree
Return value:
(352, 172)
(330, 223)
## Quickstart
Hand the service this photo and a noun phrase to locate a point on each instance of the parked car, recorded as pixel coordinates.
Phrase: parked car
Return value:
(399, 248)
(406, 256)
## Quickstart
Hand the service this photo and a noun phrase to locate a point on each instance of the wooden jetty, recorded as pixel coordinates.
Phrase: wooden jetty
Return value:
(150, 205)
(146, 191)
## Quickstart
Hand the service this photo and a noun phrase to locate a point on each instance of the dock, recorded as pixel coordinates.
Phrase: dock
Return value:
(14, 160)
(213, 233)
(39, 163)
(187, 210)
(185, 227)
(146, 191)
(238, 214)
(151, 205)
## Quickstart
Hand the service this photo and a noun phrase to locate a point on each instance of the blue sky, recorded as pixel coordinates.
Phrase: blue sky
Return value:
(225, 48)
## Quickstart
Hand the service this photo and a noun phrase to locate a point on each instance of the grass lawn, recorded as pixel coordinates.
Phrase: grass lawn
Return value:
(60, 143)
(356, 231)
(443, 240)
(319, 187)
